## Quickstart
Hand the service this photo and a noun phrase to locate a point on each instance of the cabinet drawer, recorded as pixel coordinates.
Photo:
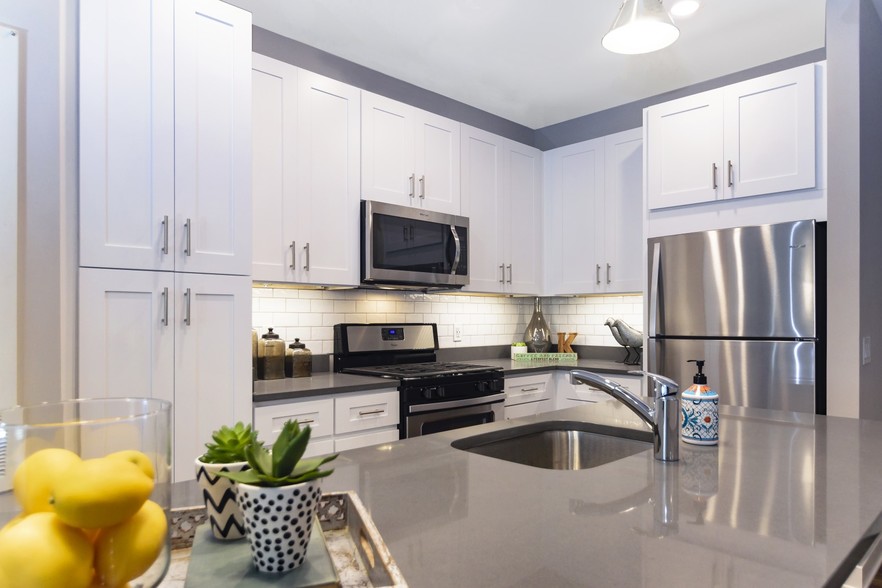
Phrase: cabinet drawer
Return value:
(527, 409)
(318, 414)
(359, 412)
(527, 389)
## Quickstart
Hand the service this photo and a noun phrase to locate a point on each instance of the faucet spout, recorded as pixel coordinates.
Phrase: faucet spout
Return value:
(663, 418)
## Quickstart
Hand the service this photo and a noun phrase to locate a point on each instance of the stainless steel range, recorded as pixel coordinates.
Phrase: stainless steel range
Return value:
(435, 396)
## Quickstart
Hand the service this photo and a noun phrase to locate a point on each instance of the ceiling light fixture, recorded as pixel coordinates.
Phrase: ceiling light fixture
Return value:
(681, 8)
(641, 26)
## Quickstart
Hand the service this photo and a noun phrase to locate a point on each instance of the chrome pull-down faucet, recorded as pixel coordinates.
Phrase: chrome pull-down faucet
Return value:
(663, 418)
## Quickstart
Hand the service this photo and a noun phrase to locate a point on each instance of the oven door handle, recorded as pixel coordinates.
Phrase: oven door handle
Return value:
(458, 253)
(463, 402)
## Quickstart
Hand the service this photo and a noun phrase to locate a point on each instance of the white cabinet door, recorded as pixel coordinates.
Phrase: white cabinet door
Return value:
(482, 202)
(528, 409)
(409, 156)
(684, 141)
(770, 133)
(623, 242)
(213, 383)
(522, 208)
(212, 137)
(328, 148)
(437, 163)
(126, 334)
(501, 196)
(127, 134)
(387, 150)
(274, 132)
(574, 178)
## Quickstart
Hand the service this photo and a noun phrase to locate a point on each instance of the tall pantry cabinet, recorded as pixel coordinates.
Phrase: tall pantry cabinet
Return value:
(165, 213)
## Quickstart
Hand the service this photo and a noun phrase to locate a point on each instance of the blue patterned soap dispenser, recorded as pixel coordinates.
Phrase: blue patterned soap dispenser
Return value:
(701, 419)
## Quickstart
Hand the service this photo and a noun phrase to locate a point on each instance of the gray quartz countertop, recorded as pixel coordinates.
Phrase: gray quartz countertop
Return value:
(782, 501)
(334, 383)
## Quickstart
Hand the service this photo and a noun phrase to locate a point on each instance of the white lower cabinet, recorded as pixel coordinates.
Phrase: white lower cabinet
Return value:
(570, 393)
(528, 395)
(339, 422)
(173, 336)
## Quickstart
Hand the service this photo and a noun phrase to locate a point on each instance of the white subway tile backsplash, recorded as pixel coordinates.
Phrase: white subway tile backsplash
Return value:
(311, 314)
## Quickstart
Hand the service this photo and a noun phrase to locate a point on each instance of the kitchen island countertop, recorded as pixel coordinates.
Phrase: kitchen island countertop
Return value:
(782, 501)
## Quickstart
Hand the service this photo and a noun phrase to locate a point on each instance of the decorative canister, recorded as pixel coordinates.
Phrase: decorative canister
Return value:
(537, 334)
(300, 359)
(270, 357)
(700, 424)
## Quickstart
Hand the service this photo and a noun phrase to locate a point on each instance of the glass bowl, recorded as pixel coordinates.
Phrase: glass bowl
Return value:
(102, 468)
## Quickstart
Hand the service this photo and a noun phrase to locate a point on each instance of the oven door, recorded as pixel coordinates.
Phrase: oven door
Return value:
(424, 419)
(407, 245)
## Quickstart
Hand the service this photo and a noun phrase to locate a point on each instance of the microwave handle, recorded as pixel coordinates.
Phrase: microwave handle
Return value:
(458, 253)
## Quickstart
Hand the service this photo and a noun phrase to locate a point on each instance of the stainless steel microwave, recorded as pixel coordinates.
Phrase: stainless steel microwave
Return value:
(408, 246)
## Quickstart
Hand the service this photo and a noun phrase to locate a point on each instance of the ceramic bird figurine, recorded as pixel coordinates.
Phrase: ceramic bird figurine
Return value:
(628, 337)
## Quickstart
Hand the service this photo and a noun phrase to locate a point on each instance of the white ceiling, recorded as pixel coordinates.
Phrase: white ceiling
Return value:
(540, 62)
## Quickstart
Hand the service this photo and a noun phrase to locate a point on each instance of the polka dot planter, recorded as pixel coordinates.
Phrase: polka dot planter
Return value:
(278, 523)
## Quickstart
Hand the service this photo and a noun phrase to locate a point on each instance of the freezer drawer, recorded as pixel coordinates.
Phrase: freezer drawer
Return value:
(778, 375)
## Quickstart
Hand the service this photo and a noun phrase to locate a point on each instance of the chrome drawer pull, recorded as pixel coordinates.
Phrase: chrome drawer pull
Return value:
(362, 413)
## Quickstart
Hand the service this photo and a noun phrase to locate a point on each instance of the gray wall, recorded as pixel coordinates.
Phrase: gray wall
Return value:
(871, 205)
(613, 120)
(47, 199)
(854, 92)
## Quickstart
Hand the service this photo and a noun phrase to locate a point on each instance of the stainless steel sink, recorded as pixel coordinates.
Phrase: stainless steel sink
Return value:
(559, 445)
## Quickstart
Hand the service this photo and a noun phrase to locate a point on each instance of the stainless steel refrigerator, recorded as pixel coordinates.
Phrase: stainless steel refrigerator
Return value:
(750, 302)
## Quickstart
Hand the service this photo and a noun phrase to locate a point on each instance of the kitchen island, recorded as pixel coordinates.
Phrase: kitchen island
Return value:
(782, 501)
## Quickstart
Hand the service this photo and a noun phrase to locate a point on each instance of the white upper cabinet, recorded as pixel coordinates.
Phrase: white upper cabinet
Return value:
(306, 176)
(574, 187)
(482, 178)
(273, 192)
(165, 136)
(501, 184)
(409, 156)
(327, 196)
(750, 138)
(212, 137)
(623, 244)
(522, 205)
(595, 230)
(127, 135)
(770, 133)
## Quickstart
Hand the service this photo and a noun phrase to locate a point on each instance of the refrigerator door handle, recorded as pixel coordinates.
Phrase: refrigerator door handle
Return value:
(653, 290)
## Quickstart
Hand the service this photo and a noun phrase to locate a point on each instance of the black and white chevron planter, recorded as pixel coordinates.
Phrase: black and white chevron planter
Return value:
(219, 494)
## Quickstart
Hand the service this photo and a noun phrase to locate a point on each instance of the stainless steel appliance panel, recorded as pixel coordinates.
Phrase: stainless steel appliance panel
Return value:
(425, 423)
(389, 337)
(778, 375)
(751, 282)
(405, 245)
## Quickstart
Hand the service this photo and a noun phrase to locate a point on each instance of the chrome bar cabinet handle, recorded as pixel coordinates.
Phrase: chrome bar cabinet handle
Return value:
(187, 297)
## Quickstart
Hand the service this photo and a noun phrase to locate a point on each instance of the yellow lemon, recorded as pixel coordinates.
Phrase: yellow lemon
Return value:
(137, 458)
(12, 522)
(100, 492)
(35, 477)
(40, 550)
(127, 550)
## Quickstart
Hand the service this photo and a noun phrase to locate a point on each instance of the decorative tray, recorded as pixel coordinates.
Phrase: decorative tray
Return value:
(545, 356)
(345, 541)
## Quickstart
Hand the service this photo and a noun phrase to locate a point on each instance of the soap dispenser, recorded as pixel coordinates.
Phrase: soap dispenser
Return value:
(699, 404)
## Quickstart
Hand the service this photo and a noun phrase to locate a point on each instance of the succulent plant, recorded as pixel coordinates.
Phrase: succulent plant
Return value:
(229, 444)
(283, 465)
